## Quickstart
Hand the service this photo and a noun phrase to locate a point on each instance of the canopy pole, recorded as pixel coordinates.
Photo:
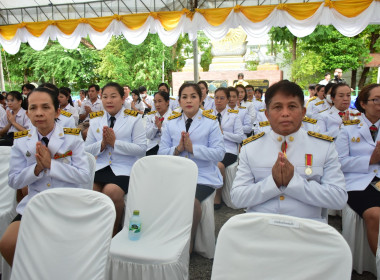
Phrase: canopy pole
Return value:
(1, 73)
(195, 60)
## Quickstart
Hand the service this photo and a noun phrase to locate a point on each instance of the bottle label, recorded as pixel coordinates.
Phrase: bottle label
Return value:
(135, 228)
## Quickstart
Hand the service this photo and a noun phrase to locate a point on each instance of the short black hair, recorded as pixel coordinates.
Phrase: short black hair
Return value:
(28, 86)
(319, 87)
(225, 90)
(142, 89)
(194, 86)
(203, 83)
(245, 91)
(53, 95)
(259, 90)
(363, 96)
(336, 86)
(312, 86)
(15, 94)
(164, 94)
(249, 86)
(234, 90)
(50, 86)
(240, 75)
(328, 73)
(118, 87)
(163, 85)
(328, 87)
(97, 88)
(285, 87)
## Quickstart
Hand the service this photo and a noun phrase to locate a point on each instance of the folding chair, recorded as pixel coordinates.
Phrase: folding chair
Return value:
(271, 246)
(65, 233)
(165, 199)
(230, 177)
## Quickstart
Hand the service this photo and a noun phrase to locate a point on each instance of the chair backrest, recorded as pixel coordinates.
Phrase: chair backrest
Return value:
(269, 246)
(7, 194)
(163, 189)
(65, 233)
(92, 165)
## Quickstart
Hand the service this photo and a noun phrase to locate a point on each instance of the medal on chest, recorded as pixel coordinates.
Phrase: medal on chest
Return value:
(308, 163)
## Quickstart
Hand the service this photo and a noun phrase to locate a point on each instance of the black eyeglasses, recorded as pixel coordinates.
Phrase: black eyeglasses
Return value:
(376, 101)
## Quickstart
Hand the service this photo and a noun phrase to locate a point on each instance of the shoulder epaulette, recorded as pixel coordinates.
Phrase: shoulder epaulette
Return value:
(259, 100)
(152, 112)
(313, 98)
(323, 110)
(355, 114)
(319, 103)
(249, 100)
(233, 111)
(71, 131)
(209, 116)
(242, 107)
(20, 134)
(174, 116)
(252, 138)
(65, 113)
(208, 111)
(262, 124)
(351, 122)
(172, 98)
(211, 97)
(320, 136)
(130, 112)
(176, 113)
(262, 110)
(96, 114)
(309, 120)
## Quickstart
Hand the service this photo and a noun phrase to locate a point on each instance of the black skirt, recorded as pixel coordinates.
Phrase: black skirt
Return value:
(229, 159)
(153, 151)
(202, 192)
(360, 201)
(106, 176)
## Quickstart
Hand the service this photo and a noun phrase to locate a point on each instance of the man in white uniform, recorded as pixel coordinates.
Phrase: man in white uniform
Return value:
(282, 171)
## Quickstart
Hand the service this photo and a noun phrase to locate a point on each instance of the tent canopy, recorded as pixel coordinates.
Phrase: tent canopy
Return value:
(38, 21)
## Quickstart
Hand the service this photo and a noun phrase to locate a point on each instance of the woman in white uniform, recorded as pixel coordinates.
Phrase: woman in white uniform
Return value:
(245, 103)
(137, 104)
(197, 136)
(233, 135)
(117, 139)
(17, 120)
(155, 120)
(65, 104)
(358, 146)
(243, 113)
(48, 156)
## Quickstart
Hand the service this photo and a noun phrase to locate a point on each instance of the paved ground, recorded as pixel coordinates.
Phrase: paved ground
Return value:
(200, 268)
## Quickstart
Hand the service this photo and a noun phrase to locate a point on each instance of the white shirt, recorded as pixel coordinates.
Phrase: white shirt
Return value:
(73, 111)
(153, 134)
(22, 119)
(96, 106)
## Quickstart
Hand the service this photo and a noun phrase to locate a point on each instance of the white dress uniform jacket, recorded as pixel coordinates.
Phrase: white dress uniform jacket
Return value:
(258, 104)
(95, 107)
(316, 106)
(67, 171)
(209, 103)
(173, 103)
(130, 144)
(66, 119)
(305, 195)
(245, 119)
(73, 111)
(250, 108)
(232, 129)
(3, 117)
(330, 123)
(153, 134)
(208, 145)
(22, 119)
(355, 146)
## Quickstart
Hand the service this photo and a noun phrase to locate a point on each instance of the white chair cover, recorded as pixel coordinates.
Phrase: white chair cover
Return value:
(230, 177)
(7, 203)
(204, 243)
(165, 199)
(355, 233)
(65, 233)
(92, 164)
(271, 246)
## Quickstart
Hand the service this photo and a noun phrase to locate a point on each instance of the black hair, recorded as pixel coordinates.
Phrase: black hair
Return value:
(241, 75)
(50, 86)
(51, 93)
(245, 91)
(319, 87)
(312, 86)
(137, 92)
(2, 97)
(205, 84)
(118, 87)
(142, 89)
(67, 89)
(328, 73)
(164, 85)
(84, 92)
(64, 91)
(363, 96)
(285, 87)
(328, 87)
(194, 86)
(234, 90)
(28, 86)
(225, 90)
(164, 94)
(97, 88)
(127, 86)
(15, 94)
(259, 90)
(336, 86)
(249, 86)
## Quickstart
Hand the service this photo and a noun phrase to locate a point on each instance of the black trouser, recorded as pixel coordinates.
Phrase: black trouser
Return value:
(7, 140)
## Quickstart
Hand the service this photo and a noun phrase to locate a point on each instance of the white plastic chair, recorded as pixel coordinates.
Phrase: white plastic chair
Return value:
(92, 164)
(277, 247)
(7, 203)
(204, 243)
(355, 233)
(165, 199)
(230, 177)
(65, 233)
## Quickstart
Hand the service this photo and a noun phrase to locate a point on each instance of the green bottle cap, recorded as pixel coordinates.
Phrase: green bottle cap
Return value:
(136, 212)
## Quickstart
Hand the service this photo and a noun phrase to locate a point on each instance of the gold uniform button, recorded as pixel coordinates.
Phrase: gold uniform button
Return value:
(279, 139)
(48, 184)
(375, 171)
(291, 138)
(110, 162)
(282, 197)
(109, 153)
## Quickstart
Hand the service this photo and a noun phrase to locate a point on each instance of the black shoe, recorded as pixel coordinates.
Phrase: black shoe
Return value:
(217, 206)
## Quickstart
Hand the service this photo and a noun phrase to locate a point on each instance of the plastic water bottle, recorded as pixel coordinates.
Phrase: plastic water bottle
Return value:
(135, 226)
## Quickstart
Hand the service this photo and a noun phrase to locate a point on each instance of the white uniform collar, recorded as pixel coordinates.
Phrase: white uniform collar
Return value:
(199, 113)
(47, 136)
(367, 121)
(289, 138)
(222, 113)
